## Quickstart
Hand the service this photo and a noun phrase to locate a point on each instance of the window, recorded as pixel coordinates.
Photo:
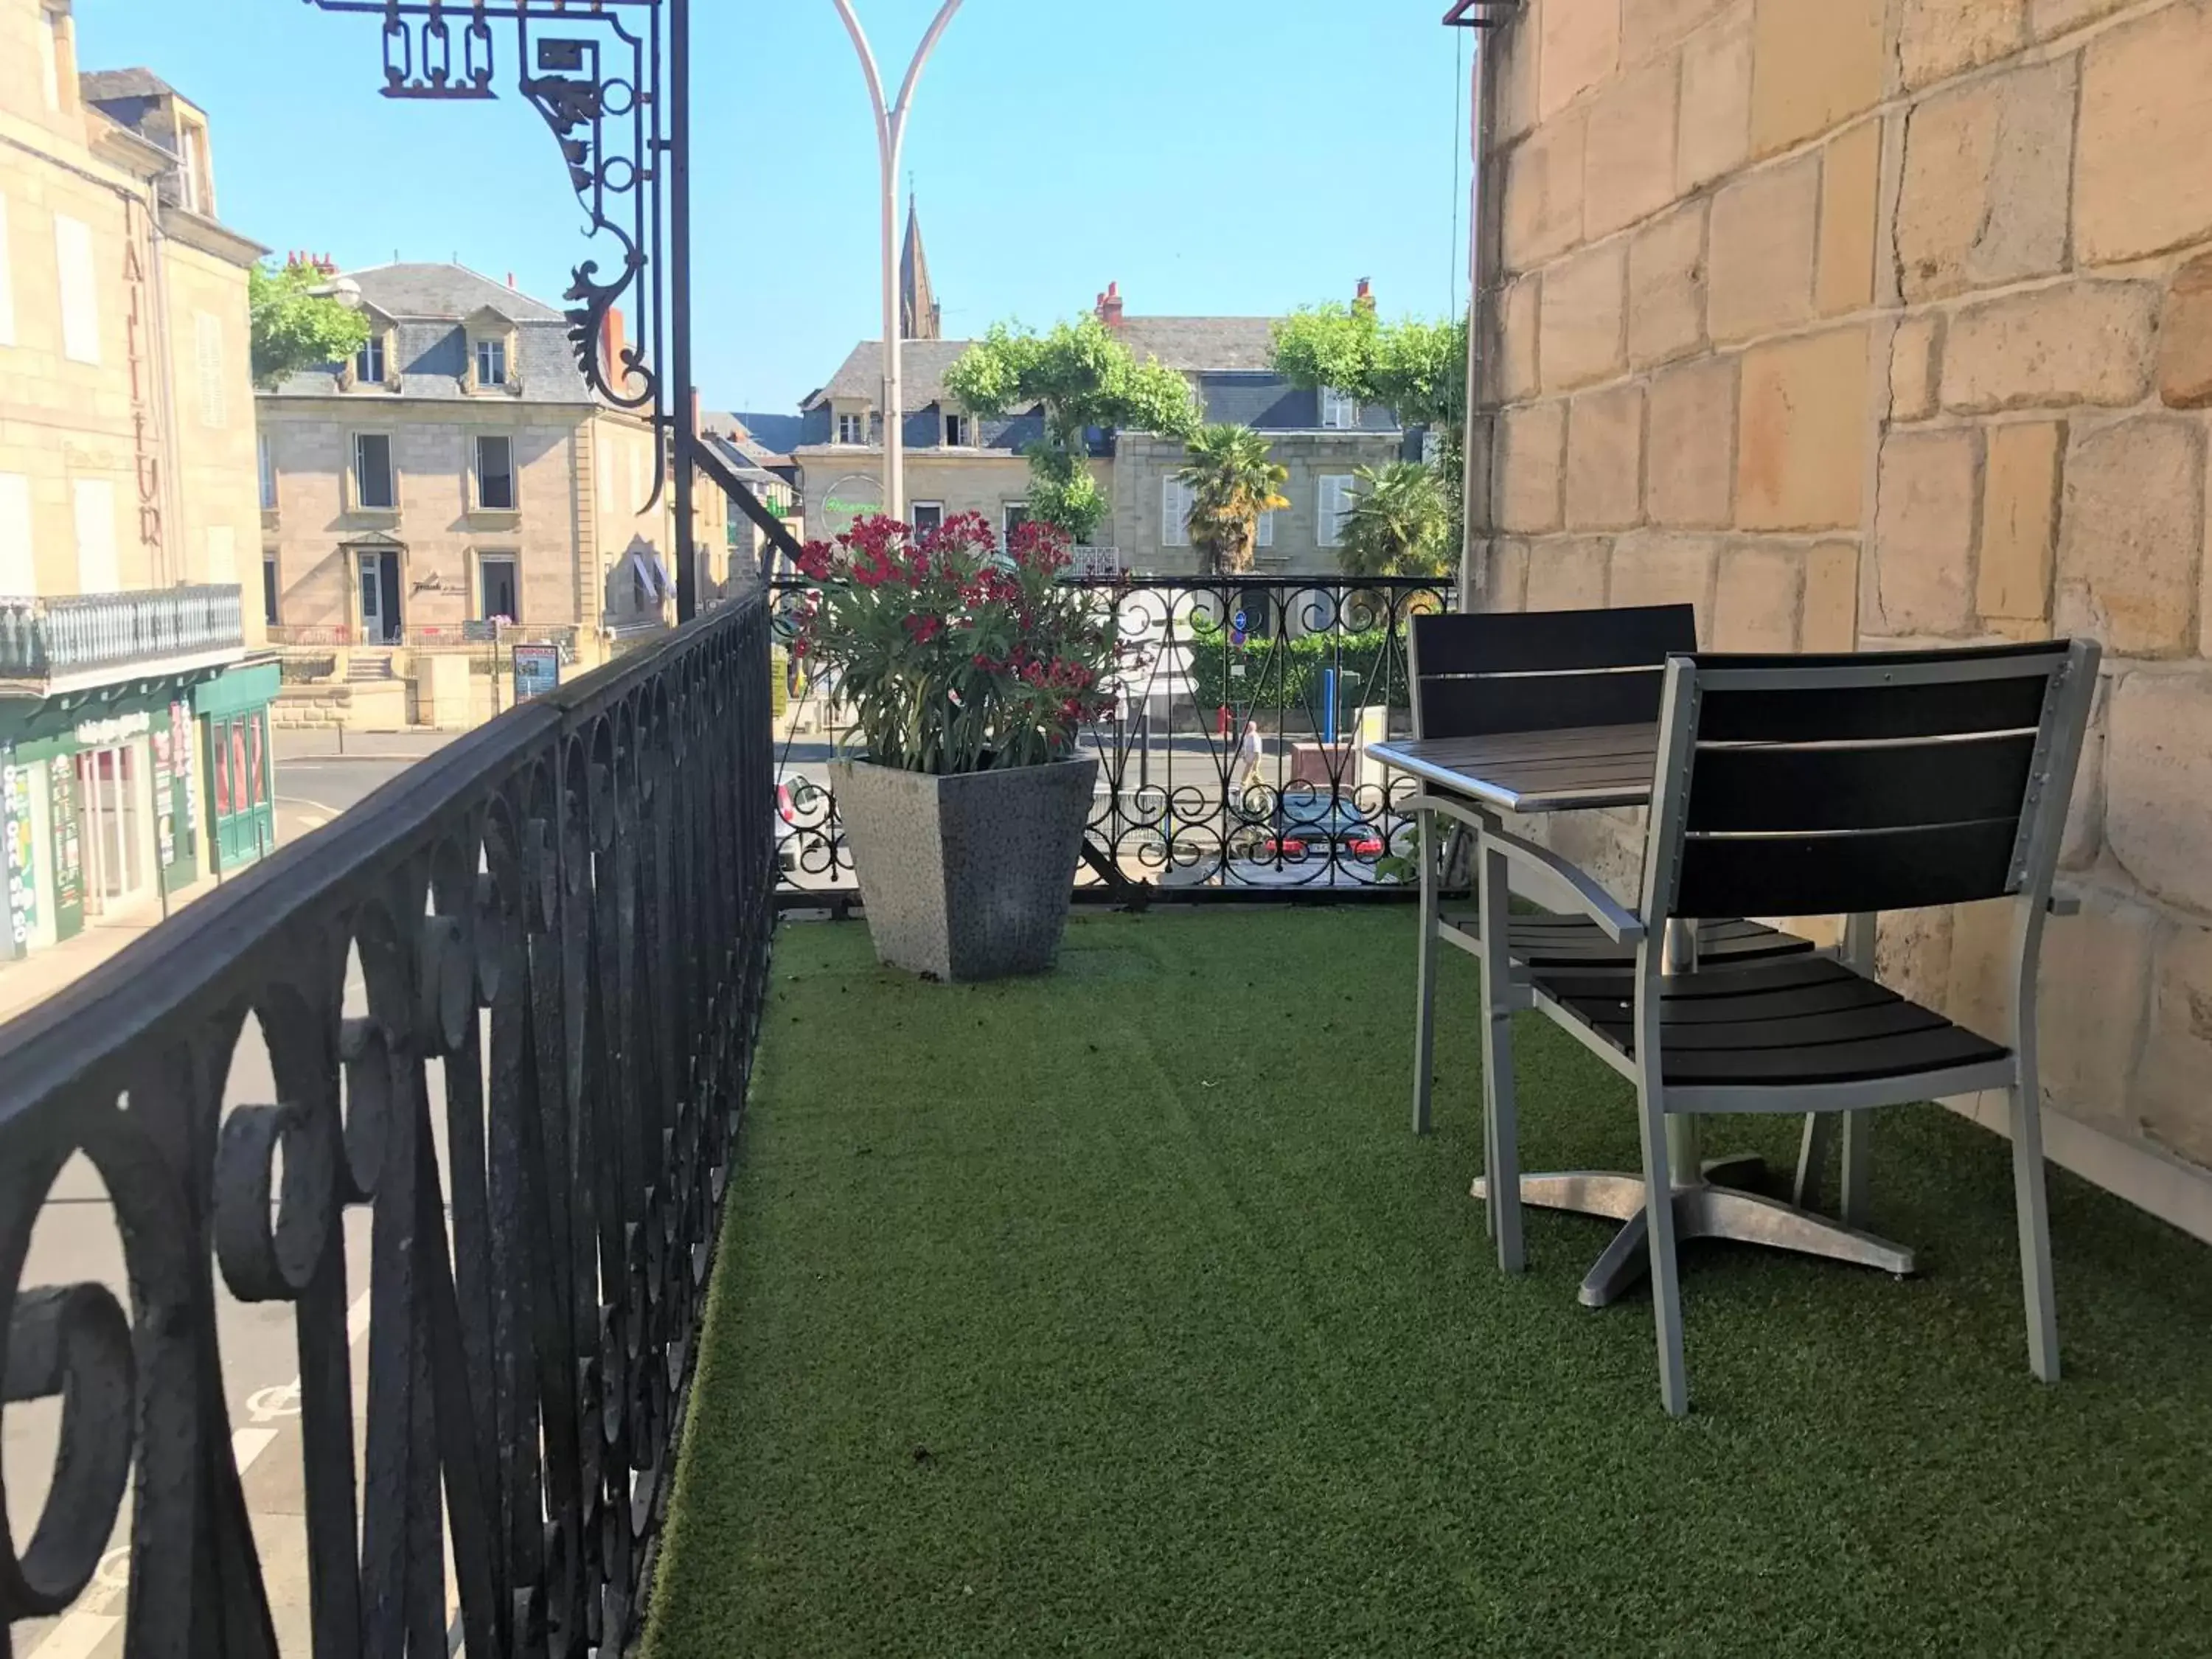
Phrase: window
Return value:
(373, 486)
(1338, 411)
(96, 568)
(268, 473)
(19, 565)
(1012, 517)
(495, 474)
(1335, 506)
(50, 56)
(496, 587)
(207, 351)
(491, 363)
(1174, 513)
(1266, 537)
(191, 147)
(851, 429)
(958, 432)
(269, 586)
(80, 291)
(369, 361)
(927, 516)
(7, 283)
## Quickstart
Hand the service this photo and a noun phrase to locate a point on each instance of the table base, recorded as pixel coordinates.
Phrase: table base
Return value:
(1712, 1206)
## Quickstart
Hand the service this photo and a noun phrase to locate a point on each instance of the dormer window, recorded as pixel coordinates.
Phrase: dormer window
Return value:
(851, 429)
(959, 431)
(1340, 410)
(197, 189)
(369, 361)
(491, 363)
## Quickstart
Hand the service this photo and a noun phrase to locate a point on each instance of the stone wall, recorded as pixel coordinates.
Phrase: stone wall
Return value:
(1875, 322)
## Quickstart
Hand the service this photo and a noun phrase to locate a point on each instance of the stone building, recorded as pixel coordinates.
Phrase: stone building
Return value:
(459, 469)
(1861, 323)
(132, 724)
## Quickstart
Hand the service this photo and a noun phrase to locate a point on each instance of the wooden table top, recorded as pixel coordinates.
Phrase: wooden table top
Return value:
(1557, 771)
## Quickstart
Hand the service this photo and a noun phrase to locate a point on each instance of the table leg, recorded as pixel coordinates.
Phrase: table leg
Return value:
(1502, 1156)
(1425, 1009)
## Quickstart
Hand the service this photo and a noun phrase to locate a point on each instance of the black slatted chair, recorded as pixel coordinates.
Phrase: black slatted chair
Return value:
(1816, 785)
(1543, 670)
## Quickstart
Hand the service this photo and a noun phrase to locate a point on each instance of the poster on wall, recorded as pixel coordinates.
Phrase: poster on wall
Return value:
(188, 776)
(16, 832)
(165, 817)
(62, 835)
(537, 671)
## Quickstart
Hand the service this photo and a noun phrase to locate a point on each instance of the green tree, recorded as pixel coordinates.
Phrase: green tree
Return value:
(1400, 524)
(1083, 377)
(1233, 479)
(295, 330)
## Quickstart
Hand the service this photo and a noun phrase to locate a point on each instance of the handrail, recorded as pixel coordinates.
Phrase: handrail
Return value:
(50, 636)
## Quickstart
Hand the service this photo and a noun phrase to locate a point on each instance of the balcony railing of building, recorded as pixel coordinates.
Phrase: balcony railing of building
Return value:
(64, 636)
(509, 1006)
(1235, 763)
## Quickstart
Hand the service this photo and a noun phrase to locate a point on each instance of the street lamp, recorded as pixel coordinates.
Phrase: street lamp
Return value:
(890, 135)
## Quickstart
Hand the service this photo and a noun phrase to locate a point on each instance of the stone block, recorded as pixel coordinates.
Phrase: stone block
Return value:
(1544, 194)
(1568, 572)
(1756, 599)
(2020, 519)
(1690, 473)
(2049, 17)
(1912, 368)
(1515, 53)
(1759, 272)
(2171, 1100)
(1580, 47)
(1605, 458)
(1666, 287)
(1629, 162)
(1649, 26)
(1516, 356)
(2091, 1000)
(1531, 442)
(1655, 568)
(2080, 342)
(1850, 180)
(1831, 616)
(1801, 449)
(2158, 781)
(1987, 167)
(1939, 37)
(1978, 978)
(2141, 185)
(2132, 537)
(1816, 64)
(1581, 337)
(1715, 124)
(1924, 532)
(1506, 577)
(2184, 337)
(1912, 953)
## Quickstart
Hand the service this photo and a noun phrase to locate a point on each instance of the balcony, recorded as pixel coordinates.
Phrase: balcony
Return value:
(69, 641)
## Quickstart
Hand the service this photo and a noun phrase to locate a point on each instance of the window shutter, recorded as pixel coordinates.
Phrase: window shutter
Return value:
(80, 289)
(268, 474)
(1330, 527)
(1174, 513)
(1266, 536)
(207, 342)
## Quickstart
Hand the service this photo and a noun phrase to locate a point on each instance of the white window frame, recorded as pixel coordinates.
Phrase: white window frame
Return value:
(266, 459)
(19, 551)
(959, 429)
(914, 508)
(1174, 511)
(191, 151)
(483, 347)
(372, 351)
(77, 274)
(512, 559)
(391, 472)
(98, 564)
(6, 281)
(1340, 410)
(1329, 515)
(852, 429)
(1008, 523)
(207, 352)
(477, 502)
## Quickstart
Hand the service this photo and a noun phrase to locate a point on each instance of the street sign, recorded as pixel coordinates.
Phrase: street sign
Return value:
(1237, 622)
(537, 670)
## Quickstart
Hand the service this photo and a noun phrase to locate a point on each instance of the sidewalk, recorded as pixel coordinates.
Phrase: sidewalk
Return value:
(334, 743)
(25, 984)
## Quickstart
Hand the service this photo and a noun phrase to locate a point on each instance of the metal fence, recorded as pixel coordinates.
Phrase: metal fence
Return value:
(1235, 762)
(509, 1006)
(43, 638)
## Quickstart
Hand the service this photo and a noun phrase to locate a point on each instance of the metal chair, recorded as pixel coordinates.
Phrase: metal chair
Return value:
(1825, 785)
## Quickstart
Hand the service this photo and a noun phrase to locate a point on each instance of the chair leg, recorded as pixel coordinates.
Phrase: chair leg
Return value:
(1659, 1231)
(1502, 1154)
(1424, 1016)
(2031, 1202)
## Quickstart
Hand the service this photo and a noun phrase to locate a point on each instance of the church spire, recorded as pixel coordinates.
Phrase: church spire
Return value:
(920, 318)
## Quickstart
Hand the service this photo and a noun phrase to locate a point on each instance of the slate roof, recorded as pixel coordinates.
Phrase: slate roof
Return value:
(765, 440)
(922, 364)
(101, 85)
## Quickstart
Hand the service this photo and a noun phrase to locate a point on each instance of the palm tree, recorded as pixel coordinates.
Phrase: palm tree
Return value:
(1400, 524)
(1233, 479)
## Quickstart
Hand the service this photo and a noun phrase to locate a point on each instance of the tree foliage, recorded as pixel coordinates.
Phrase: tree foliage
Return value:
(1233, 478)
(1415, 369)
(1400, 524)
(1083, 377)
(295, 330)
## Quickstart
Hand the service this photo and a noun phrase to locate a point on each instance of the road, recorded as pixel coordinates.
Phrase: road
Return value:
(76, 1238)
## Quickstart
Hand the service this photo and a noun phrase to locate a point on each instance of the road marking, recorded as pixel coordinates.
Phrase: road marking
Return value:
(304, 800)
(85, 1627)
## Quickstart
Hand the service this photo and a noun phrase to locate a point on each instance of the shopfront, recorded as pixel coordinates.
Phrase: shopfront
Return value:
(241, 785)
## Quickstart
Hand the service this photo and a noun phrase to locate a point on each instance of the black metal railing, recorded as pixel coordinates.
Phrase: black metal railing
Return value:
(47, 638)
(568, 912)
(1236, 759)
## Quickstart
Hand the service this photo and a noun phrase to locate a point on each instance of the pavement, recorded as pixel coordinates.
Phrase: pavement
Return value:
(76, 1238)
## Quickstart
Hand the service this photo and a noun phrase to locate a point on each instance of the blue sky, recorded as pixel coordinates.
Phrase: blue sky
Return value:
(1234, 156)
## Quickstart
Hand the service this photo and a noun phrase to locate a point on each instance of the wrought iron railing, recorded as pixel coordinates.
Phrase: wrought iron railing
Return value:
(74, 634)
(559, 926)
(1236, 759)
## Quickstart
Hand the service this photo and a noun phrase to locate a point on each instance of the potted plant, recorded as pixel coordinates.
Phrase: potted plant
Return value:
(969, 671)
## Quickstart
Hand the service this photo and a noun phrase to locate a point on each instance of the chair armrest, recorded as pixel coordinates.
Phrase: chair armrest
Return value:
(1551, 881)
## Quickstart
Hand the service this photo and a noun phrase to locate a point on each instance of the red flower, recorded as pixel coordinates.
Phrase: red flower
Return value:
(924, 629)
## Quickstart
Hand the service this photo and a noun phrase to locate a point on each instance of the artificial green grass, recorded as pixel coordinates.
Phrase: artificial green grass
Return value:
(1118, 1312)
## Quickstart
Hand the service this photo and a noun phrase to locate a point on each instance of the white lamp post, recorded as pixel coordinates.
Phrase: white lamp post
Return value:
(891, 134)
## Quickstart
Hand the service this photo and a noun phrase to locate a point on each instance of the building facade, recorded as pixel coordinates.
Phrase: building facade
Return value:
(129, 707)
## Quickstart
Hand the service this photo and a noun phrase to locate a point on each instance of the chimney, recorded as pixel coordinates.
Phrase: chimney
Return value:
(613, 337)
(1363, 300)
(1110, 306)
(510, 279)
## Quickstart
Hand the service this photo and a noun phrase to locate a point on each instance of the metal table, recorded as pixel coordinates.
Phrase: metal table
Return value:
(1576, 768)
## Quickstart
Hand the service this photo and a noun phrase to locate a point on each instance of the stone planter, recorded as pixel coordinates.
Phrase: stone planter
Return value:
(966, 878)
